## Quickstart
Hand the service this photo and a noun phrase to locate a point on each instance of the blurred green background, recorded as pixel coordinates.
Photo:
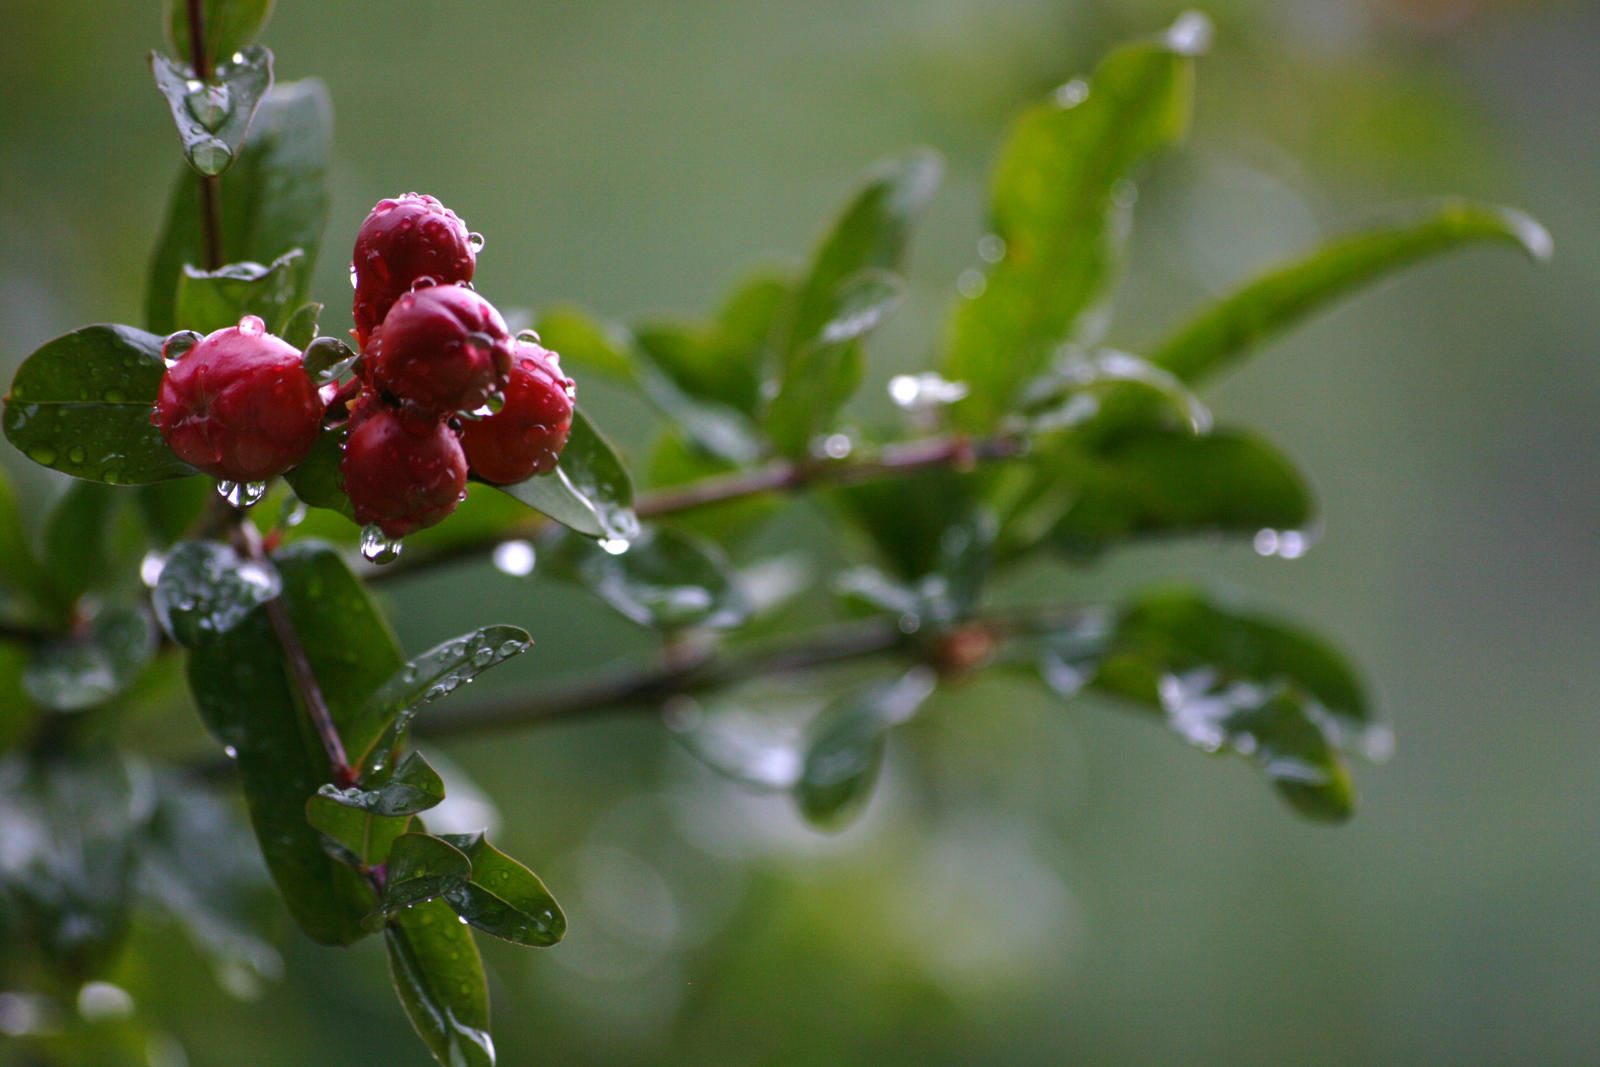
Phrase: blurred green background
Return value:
(1034, 883)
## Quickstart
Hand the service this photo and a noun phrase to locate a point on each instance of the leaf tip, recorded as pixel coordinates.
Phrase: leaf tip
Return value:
(1530, 233)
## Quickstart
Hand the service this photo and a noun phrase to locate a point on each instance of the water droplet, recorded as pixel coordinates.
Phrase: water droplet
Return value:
(427, 281)
(115, 396)
(355, 282)
(1190, 35)
(834, 446)
(252, 326)
(294, 511)
(923, 392)
(173, 348)
(42, 454)
(378, 547)
(1286, 544)
(111, 476)
(530, 337)
(76, 454)
(909, 622)
(209, 104)
(971, 283)
(475, 242)
(209, 156)
(512, 648)
(991, 248)
(482, 658)
(1072, 93)
(230, 752)
(241, 494)
(150, 568)
(614, 545)
(515, 558)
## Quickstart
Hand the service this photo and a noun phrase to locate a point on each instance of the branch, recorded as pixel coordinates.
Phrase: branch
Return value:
(778, 476)
(210, 191)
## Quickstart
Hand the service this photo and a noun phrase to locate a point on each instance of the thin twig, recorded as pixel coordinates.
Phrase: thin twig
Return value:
(210, 191)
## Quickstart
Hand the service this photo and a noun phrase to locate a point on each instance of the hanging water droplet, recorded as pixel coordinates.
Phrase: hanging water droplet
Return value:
(230, 752)
(150, 568)
(475, 242)
(1072, 93)
(515, 558)
(241, 494)
(355, 281)
(615, 545)
(209, 104)
(378, 547)
(209, 155)
(921, 392)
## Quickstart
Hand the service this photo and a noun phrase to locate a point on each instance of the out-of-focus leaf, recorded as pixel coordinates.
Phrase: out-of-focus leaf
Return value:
(826, 370)
(214, 300)
(1282, 297)
(589, 491)
(1054, 203)
(20, 573)
(844, 747)
(230, 25)
(439, 978)
(378, 730)
(673, 462)
(70, 822)
(213, 116)
(721, 362)
(504, 898)
(172, 507)
(422, 867)
(89, 667)
(365, 822)
(79, 539)
(585, 343)
(316, 479)
(81, 405)
(300, 328)
(666, 579)
(246, 698)
(274, 199)
(1103, 393)
(1275, 694)
(205, 590)
(1170, 482)
(906, 517)
(717, 429)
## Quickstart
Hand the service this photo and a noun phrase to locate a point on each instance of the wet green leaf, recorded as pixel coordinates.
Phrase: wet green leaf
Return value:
(439, 978)
(378, 731)
(844, 747)
(1282, 297)
(88, 667)
(205, 590)
(825, 371)
(327, 359)
(230, 25)
(1223, 678)
(300, 328)
(1171, 482)
(214, 300)
(422, 867)
(316, 480)
(666, 579)
(1056, 205)
(81, 405)
(365, 822)
(589, 491)
(504, 898)
(245, 696)
(213, 117)
(585, 343)
(274, 199)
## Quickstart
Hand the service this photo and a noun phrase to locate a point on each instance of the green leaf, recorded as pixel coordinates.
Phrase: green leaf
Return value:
(214, 300)
(171, 508)
(327, 359)
(1271, 692)
(274, 199)
(1171, 482)
(826, 370)
(88, 667)
(20, 572)
(422, 867)
(300, 328)
(666, 579)
(230, 25)
(844, 747)
(717, 429)
(316, 479)
(205, 590)
(906, 517)
(721, 362)
(439, 978)
(1054, 206)
(378, 731)
(81, 405)
(589, 491)
(80, 550)
(213, 116)
(365, 822)
(674, 461)
(870, 234)
(504, 898)
(1282, 297)
(245, 696)
(585, 343)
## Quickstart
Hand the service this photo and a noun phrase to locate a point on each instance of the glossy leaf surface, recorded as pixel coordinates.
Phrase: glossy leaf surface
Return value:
(589, 491)
(1054, 201)
(422, 867)
(213, 117)
(439, 978)
(213, 300)
(666, 579)
(88, 667)
(316, 480)
(1282, 297)
(205, 589)
(81, 405)
(844, 748)
(274, 199)
(365, 822)
(504, 898)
